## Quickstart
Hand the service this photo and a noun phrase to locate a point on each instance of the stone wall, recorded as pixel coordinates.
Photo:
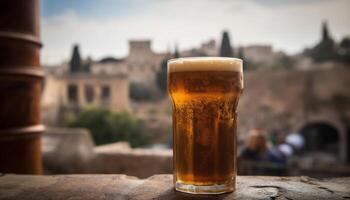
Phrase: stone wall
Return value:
(142, 163)
(66, 150)
(286, 101)
(118, 85)
(56, 105)
(72, 151)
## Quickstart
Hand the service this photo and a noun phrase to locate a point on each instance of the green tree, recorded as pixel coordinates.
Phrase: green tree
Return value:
(75, 62)
(226, 48)
(325, 50)
(344, 51)
(107, 126)
(161, 77)
(286, 62)
(240, 53)
(176, 52)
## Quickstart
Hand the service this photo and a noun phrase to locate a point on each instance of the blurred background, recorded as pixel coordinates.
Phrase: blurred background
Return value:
(105, 104)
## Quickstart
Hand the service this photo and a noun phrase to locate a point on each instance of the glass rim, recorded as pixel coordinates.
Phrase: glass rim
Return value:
(218, 58)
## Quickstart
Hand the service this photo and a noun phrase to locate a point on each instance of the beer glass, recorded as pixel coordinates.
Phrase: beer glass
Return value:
(204, 92)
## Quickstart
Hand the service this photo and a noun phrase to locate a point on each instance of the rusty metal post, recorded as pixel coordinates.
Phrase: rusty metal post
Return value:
(20, 87)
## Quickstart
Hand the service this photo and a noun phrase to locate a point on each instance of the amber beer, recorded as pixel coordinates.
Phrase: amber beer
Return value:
(204, 94)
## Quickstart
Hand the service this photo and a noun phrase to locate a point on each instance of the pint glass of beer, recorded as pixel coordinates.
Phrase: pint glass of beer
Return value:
(204, 92)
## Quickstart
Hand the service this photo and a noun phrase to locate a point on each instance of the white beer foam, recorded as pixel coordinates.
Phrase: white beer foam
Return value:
(205, 64)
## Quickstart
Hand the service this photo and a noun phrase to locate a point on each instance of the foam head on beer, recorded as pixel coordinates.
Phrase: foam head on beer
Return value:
(204, 94)
(205, 64)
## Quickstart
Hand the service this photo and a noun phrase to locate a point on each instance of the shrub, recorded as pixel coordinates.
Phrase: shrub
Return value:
(107, 126)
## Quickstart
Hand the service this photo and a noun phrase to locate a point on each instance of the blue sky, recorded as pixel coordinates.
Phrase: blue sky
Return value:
(97, 9)
(116, 8)
(103, 27)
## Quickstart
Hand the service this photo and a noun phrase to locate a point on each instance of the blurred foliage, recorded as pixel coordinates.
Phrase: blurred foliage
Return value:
(344, 52)
(139, 92)
(324, 51)
(108, 127)
(282, 62)
(161, 77)
(328, 49)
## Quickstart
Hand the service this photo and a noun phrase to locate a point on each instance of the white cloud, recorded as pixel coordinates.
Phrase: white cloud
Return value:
(191, 22)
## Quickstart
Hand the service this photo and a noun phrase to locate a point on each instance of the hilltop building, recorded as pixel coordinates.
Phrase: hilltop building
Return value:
(105, 83)
(208, 48)
(141, 64)
(259, 53)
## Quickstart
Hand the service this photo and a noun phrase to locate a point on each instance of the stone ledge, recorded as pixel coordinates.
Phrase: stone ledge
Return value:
(95, 187)
(82, 156)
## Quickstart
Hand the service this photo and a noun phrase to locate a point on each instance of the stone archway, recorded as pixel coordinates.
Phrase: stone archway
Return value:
(330, 119)
(322, 137)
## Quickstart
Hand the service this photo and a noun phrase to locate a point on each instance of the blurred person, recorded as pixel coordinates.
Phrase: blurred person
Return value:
(257, 158)
(296, 141)
(293, 143)
(255, 146)
(281, 153)
(273, 138)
